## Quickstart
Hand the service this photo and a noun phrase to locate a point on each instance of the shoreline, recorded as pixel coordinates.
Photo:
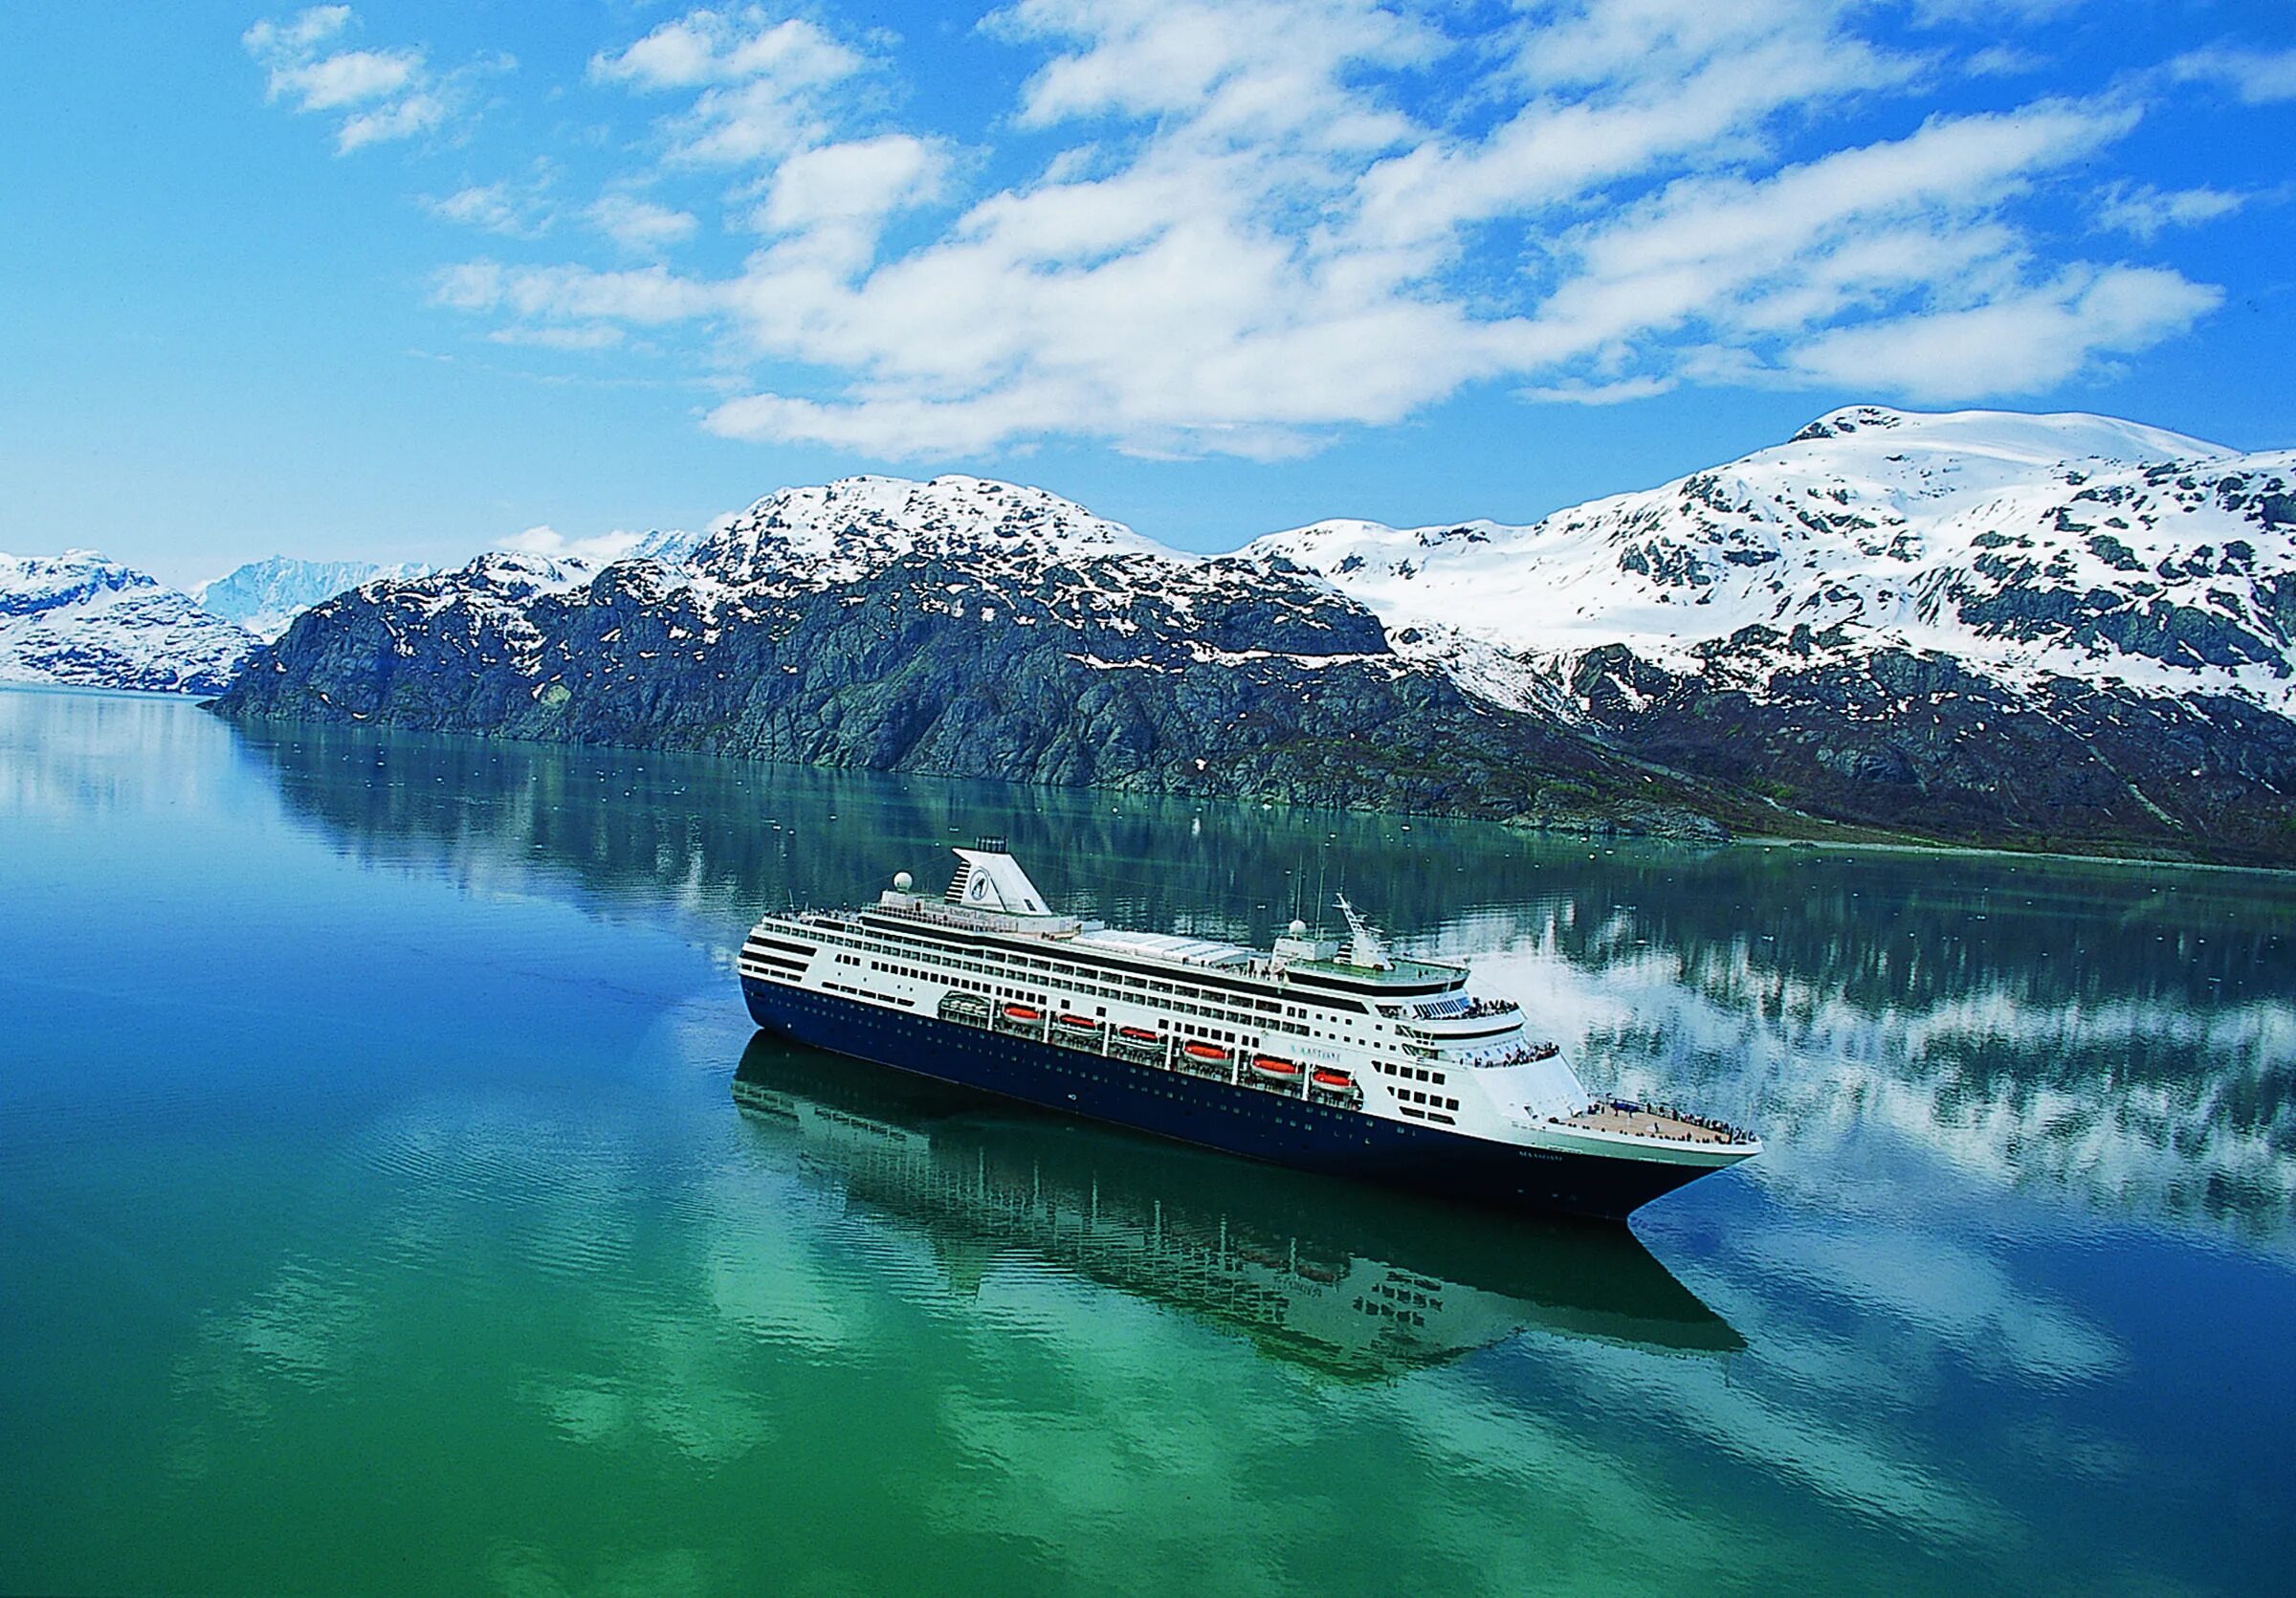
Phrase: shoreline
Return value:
(1995, 851)
(1596, 830)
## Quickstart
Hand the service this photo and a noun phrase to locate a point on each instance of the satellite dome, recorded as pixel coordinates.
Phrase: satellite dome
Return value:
(902, 882)
(1299, 929)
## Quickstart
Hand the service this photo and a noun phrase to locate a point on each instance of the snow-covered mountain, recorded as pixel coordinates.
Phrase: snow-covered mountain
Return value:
(2051, 630)
(670, 546)
(263, 596)
(958, 627)
(816, 538)
(1030, 558)
(80, 619)
(2024, 547)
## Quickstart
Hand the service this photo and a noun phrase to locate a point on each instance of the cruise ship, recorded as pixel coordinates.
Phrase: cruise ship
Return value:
(1321, 1055)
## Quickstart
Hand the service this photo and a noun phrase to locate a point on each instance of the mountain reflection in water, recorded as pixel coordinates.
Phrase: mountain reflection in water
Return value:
(2123, 1037)
(1350, 1280)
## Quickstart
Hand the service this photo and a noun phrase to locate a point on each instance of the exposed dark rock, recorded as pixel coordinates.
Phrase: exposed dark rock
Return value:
(1918, 744)
(1303, 703)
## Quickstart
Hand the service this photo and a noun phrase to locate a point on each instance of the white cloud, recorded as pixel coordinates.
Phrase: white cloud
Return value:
(547, 540)
(513, 210)
(764, 81)
(1250, 224)
(1246, 63)
(299, 34)
(2255, 77)
(1715, 249)
(1603, 393)
(1990, 13)
(378, 95)
(726, 47)
(2003, 60)
(577, 337)
(401, 118)
(349, 78)
(650, 296)
(865, 179)
(829, 205)
(2016, 343)
(2144, 211)
(640, 225)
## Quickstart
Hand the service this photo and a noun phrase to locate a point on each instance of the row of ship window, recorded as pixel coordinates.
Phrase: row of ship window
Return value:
(1183, 998)
(1408, 1096)
(864, 993)
(1372, 1306)
(1410, 1073)
(1290, 1011)
(990, 989)
(1407, 1296)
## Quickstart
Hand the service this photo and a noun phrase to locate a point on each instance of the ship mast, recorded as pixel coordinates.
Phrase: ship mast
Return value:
(1365, 949)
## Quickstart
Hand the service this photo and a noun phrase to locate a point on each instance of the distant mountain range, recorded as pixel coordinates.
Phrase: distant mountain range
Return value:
(80, 619)
(1983, 627)
(263, 596)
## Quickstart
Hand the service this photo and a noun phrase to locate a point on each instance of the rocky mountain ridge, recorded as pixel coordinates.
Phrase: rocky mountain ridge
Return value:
(958, 627)
(2050, 631)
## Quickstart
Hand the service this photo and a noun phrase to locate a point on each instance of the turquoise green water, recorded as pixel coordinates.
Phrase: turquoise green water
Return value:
(380, 1212)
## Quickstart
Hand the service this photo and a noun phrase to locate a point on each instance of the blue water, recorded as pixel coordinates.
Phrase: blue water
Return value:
(377, 1213)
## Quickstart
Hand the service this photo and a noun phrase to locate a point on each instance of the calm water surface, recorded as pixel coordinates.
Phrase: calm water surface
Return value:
(392, 1197)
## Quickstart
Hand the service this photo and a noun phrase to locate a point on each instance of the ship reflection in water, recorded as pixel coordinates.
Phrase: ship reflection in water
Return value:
(1354, 1281)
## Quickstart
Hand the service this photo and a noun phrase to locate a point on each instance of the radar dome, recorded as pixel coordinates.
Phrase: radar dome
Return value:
(902, 882)
(1299, 929)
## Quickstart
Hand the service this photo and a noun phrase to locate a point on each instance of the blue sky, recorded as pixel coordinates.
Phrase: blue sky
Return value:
(408, 280)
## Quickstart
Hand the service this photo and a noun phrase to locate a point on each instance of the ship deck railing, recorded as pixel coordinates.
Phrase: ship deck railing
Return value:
(1653, 1121)
(1455, 1010)
(970, 919)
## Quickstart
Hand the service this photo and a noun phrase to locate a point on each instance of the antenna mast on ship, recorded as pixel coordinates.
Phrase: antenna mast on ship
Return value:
(1366, 950)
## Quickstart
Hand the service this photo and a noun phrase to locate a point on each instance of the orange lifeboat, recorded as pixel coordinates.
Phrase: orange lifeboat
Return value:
(1206, 1051)
(1023, 1012)
(1078, 1023)
(1332, 1081)
(1274, 1069)
(1140, 1034)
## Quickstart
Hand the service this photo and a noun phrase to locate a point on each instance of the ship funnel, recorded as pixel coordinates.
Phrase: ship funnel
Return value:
(988, 878)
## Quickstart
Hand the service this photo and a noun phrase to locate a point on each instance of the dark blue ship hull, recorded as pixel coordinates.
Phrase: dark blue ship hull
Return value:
(1246, 1121)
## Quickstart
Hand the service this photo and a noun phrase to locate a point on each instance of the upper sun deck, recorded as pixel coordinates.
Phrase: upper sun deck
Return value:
(991, 895)
(1400, 971)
